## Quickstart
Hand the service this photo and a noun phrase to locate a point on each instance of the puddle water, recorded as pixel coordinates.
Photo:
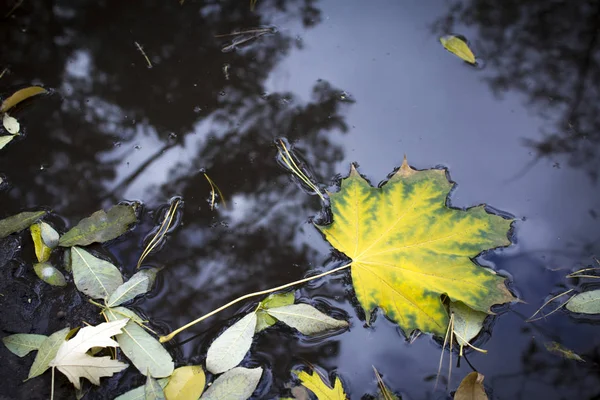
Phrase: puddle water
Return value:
(360, 83)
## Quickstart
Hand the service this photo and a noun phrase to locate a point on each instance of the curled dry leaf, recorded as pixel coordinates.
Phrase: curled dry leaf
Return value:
(471, 388)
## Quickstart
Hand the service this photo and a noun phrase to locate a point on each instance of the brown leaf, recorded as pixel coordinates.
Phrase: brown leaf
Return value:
(471, 388)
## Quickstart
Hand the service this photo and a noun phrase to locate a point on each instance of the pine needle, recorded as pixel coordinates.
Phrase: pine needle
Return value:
(144, 54)
(531, 319)
(17, 5)
(288, 160)
(577, 274)
(161, 232)
(214, 189)
(4, 71)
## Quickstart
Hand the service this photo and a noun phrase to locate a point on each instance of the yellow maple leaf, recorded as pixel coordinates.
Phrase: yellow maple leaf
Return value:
(322, 390)
(408, 248)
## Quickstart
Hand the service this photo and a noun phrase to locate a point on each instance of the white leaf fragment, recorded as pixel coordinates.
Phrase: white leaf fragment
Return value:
(229, 349)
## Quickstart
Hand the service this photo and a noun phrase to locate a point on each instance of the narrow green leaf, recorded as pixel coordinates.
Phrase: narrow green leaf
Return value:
(100, 227)
(22, 344)
(186, 383)
(67, 260)
(95, 277)
(229, 349)
(19, 222)
(42, 252)
(4, 140)
(153, 390)
(264, 320)
(236, 384)
(139, 393)
(467, 322)
(306, 319)
(49, 235)
(139, 283)
(47, 352)
(49, 274)
(144, 351)
(458, 47)
(122, 312)
(19, 96)
(585, 303)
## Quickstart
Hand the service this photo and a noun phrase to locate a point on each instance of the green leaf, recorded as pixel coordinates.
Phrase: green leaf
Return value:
(306, 319)
(42, 252)
(186, 383)
(18, 222)
(236, 384)
(95, 277)
(4, 140)
(467, 323)
(263, 319)
(153, 390)
(49, 274)
(138, 284)
(47, 352)
(22, 344)
(67, 260)
(139, 393)
(458, 47)
(49, 235)
(321, 389)
(19, 96)
(144, 351)
(229, 349)
(408, 248)
(11, 124)
(471, 388)
(585, 303)
(561, 350)
(100, 227)
(122, 312)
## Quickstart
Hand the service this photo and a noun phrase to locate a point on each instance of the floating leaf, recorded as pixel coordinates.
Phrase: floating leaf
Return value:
(145, 352)
(19, 96)
(22, 344)
(138, 284)
(236, 384)
(384, 392)
(139, 393)
(306, 319)
(49, 274)
(458, 47)
(47, 352)
(4, 140)
(229, 349)
(100, 227)
(408, 248)
(585, 303)
(467, 323)
(94, 277)
(67, 260)
(72, 360)
(42, 252)
(153, 390)
(11, 124)
(561, 350)
(122, 312)
(263, 319)
(471, 388)
(18, 222)
(321, 389)
(160, 234)
(186, 383)
(49, 235)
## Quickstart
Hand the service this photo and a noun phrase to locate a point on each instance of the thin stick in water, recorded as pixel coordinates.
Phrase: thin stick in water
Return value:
(144, 54)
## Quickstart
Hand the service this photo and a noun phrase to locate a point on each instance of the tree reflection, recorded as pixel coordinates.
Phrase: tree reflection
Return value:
(549, 51)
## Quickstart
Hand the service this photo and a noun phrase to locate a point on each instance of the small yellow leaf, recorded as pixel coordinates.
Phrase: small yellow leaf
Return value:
(42, 252)
(471, 388)
(186, 383)
(458, 47)
(322, 390)
(19, 96)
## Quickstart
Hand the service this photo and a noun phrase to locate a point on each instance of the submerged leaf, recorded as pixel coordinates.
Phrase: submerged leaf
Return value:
(186, 383)
(4, 140)
(236, 384)
(22, 344)
(585, 303)
(139, 283)
(19, 96)
(263, 319)
(561, 350)
(408, 248)
(49, 274)
(471, 388)
(42, 252)
(11, 124)
(94, 277)
(306, 319)
(139, 393)
(122, 312)
(458, 47)
(321, 389)
(47, 352)
(100, 227)
(153, 390)
(19, 222)
(229, 349)
(467, 323)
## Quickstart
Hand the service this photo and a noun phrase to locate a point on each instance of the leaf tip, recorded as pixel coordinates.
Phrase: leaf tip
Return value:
(405, 169)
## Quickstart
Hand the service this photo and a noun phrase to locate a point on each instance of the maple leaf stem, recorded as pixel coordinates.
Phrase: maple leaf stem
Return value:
(171, 335)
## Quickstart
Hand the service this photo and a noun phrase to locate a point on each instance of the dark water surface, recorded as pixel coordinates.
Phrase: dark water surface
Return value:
(344, 82)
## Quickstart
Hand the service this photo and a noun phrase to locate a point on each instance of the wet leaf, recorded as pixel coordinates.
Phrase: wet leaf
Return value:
(49, 274)
(42, 252)
(139, 283)
(95, 277)
(320, 388)
(11, 124)
(144, 351)
(19, 96)
(585, 303)
(458, 47)
(229, 349)
(100, 227)
(153, 390)
(236, 384)
(4, 140)
(67, 260)
(49, 235)
(72, 360)
(471, 388)
(139, 393)
(186, 383)
(22, 344)
(408, 248)
(263, 319)
(384, 392)
(467, 323)
(306, 319)
(47, 352)
(17, 223)
(122, 312)
(561, 350)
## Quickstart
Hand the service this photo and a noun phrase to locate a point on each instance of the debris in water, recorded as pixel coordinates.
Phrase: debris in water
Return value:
(458, 46)
(213, 196)
(143, 53)
(245, 36)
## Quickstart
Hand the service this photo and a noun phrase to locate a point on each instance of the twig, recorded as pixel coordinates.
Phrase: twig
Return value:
(144, 54)
(3, 72)
(288, 160)
(17, 5)
(162, 231)
(171, 335)
(214, 186)
(531, 319)
(259, 30)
